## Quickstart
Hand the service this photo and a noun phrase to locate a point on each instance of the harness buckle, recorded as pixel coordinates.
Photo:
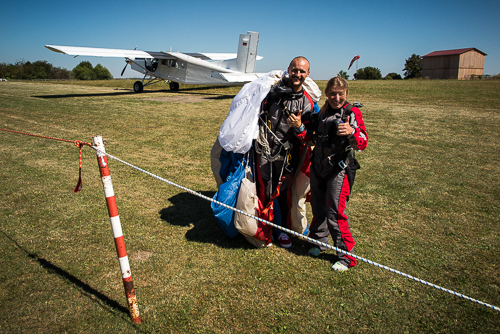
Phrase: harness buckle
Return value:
(342, 164)
(330, 160)
(288, 167)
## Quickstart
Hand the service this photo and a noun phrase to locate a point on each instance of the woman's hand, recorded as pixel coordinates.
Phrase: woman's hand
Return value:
(345, 129)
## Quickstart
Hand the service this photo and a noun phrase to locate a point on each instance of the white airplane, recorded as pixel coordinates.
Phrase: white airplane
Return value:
(226, 69)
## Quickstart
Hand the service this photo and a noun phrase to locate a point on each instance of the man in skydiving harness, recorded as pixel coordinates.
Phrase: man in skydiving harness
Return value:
(277, 147)
(336, 131)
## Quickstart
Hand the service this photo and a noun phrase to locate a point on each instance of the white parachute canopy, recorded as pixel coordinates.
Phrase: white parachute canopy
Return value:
(241, 125)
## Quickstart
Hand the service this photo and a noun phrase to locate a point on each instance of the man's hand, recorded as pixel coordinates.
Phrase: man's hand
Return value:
(345, 129)
(295, 121)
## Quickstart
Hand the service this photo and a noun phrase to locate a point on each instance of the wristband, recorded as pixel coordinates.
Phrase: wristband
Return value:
(300, 128)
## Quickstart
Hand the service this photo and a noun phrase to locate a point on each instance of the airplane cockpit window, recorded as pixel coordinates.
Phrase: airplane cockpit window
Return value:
(173, 64)
(164, 62)
(183, 65)
(151, 64)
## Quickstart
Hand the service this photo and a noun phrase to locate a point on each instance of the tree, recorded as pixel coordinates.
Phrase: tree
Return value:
(413, 67)
(393, 75)
(102, 73)
(368, 73)
(343, 74)
(20, 65)
(4, 70)
(60, 73)
(40, 69)
(84, 71)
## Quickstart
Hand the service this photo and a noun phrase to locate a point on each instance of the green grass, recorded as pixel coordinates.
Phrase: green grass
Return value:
(426, 202)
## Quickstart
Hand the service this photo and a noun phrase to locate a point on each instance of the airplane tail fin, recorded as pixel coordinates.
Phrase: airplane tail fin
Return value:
(247, 52)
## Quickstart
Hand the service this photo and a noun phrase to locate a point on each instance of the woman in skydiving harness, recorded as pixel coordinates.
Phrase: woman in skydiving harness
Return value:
(337, 131)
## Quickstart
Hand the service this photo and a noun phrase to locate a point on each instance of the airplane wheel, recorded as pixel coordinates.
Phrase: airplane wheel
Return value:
(174, 86)
(138, 87)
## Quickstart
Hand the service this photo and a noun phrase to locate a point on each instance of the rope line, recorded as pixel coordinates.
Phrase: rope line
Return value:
(78, 143)
(303, 236)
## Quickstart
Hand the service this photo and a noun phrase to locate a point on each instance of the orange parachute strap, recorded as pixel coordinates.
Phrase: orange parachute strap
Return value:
(273, 197)
(78, 143)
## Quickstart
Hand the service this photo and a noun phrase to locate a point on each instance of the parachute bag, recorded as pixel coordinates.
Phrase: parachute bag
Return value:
(228, 194)
(256, 232)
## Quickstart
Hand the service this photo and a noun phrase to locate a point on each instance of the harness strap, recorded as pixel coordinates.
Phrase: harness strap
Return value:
(265, 149)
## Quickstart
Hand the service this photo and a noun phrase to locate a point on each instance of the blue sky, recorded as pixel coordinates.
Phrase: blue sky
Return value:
(329, 33)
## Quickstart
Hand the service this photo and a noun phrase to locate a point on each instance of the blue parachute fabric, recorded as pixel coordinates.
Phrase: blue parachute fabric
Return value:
(306, 232)
(230, 162)
(228, 194)
(315, 108)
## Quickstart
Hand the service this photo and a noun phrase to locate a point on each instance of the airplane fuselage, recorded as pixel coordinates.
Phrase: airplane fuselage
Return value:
(227, 69)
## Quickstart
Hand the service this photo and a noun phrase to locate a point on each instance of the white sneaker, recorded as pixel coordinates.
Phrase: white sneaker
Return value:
(339, 266)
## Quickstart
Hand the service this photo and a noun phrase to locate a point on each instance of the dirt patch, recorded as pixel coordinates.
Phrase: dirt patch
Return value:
(140, 256)
(182, 99)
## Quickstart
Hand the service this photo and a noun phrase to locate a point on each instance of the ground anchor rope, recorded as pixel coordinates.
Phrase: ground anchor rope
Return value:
(303, 236)
(78, 143)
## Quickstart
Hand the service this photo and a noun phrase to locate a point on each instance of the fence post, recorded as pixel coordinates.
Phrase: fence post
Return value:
(117, 230)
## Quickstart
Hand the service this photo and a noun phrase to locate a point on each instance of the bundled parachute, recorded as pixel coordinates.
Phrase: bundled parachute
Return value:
(241, 125)
(234, 168)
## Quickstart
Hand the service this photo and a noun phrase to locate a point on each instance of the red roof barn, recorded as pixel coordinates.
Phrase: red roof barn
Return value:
(453, 64)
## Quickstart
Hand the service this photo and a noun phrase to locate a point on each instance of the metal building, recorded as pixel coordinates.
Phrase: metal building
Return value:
(460, 64)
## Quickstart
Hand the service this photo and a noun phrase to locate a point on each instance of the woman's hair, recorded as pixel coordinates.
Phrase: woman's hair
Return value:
(334, 82)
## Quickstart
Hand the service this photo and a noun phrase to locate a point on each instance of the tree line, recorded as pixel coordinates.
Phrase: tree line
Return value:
(42, 70)
(412, 69)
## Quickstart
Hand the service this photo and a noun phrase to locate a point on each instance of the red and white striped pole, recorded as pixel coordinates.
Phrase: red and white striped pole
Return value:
(117, 230)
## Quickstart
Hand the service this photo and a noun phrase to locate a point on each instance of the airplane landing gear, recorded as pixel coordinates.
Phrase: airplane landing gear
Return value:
(174, 86)
(138, 87)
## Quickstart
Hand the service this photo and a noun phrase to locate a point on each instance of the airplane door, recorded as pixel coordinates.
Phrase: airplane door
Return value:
(178, 70)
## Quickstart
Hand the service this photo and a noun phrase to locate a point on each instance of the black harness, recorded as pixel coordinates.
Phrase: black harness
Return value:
(342, 154)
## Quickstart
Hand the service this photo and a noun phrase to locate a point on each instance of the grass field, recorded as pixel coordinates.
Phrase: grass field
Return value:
(425, 202)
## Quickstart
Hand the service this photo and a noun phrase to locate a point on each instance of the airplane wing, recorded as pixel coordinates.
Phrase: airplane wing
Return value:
(98, 52)
(238, 77)
(219, 56)
(132, 54)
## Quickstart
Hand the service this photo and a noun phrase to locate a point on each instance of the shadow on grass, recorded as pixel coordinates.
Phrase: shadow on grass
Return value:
(193, 91)
(62, 96)
(86, 289)
(300, 247)
(190, 210)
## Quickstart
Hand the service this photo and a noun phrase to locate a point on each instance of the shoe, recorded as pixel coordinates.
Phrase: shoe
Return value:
(284, 241)
(338, 266)
(314, 251)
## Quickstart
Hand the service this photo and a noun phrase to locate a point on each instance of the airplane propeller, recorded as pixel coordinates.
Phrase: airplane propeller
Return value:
(123, 71)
